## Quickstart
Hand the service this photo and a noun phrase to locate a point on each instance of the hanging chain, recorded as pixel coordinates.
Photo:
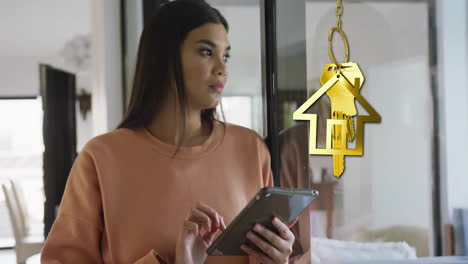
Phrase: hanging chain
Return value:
(339, 11)
(337, 28)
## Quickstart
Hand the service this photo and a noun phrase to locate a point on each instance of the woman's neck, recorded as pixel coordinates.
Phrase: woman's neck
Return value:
(167, 127)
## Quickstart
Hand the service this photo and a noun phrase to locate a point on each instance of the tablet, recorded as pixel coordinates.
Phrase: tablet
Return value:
(284, 203)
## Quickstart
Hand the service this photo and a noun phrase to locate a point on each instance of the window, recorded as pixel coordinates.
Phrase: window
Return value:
(21, 148)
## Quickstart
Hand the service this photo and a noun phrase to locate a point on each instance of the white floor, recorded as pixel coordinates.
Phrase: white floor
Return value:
(7, 256)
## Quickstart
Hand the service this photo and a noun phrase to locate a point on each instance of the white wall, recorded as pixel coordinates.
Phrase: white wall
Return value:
(19, 75)
(133, 28)
(31, 30)
(107, 65)
(452, 43)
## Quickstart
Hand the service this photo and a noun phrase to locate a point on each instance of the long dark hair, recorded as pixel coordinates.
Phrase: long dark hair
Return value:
(159, 66)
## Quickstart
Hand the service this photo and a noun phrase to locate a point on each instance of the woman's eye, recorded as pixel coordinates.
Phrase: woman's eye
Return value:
(206, 52)
(227, 58)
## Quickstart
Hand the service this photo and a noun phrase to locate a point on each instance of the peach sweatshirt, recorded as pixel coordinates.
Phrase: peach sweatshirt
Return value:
(127, 196)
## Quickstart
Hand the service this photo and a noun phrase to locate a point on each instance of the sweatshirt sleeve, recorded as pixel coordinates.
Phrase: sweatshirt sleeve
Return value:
(77, 233)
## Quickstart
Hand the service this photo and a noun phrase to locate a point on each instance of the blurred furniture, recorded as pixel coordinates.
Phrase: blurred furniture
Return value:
(416, 237)
(460, 231)
(31, 229)
(25, 246)
(335, 251)
(34, 259)
(325, 203)
(449, 240)
(433, 260)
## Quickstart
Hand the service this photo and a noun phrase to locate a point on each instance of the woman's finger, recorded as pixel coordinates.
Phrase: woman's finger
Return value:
(201, 218)
(293, 222)
(283, 230)
(277, 241)
(223, 225)
(191, 227)
(265, 247)
(214, 216)
(261, 257)
(208, 237)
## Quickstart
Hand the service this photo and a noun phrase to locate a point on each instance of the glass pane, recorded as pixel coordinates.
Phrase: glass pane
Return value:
(242, 102)
(384, 195)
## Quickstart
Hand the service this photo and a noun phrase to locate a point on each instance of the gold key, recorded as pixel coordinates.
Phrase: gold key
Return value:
(343, 106)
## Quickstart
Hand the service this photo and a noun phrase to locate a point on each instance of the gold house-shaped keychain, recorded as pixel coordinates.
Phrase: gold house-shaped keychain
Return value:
(342, 83)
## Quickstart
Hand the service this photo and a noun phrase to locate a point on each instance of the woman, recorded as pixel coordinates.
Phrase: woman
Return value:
(168, 180)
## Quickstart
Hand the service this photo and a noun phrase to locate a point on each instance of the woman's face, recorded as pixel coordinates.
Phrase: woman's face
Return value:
(204, 54)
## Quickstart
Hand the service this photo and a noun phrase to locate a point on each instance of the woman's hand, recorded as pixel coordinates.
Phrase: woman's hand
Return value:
(197, 234)
(278, 248)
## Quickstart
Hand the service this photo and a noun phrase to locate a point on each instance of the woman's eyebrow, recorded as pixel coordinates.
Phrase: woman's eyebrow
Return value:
(211, 43)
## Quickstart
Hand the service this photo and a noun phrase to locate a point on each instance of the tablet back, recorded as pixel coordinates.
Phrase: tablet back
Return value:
(284, 203)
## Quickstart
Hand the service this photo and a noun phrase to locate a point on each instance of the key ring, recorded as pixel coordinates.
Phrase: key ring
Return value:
(330, 48)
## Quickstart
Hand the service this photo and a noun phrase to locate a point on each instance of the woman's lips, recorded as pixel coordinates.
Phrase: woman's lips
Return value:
(218, 87)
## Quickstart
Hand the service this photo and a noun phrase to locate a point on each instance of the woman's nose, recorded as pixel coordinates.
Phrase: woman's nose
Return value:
(221, 69)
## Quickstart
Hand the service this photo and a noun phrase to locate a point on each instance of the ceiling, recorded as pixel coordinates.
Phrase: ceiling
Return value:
(41, 27)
